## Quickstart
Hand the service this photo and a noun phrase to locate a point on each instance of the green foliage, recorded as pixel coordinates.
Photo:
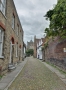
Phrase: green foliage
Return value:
(49, 15)
(48, 32)
(45, 45)
(42, 48)
(29, 52)
(57, 18)
(0, 76)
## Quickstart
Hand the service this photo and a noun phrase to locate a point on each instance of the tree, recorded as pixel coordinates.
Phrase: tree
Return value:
(49, 15)
(29, 52)
(57, 18)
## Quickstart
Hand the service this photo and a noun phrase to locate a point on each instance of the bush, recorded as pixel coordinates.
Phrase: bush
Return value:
(29, 52)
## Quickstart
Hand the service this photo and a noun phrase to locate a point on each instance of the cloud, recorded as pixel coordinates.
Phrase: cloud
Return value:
(31, 14)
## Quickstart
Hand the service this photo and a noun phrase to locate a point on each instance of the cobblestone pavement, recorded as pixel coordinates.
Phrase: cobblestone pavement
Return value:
(36, 76)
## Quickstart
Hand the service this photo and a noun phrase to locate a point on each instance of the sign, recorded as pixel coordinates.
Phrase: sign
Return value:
(64, 49)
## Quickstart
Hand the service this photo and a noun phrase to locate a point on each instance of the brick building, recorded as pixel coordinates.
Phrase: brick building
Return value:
(11, 35)
(54, 53)
(38, 44)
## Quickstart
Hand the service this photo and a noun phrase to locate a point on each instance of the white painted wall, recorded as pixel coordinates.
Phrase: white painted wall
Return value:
(40, 53)
(39, 50)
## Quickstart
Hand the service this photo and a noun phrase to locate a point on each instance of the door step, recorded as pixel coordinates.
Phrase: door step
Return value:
(11, 67)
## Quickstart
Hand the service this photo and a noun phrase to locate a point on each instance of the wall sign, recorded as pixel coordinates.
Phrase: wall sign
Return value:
(64, 49)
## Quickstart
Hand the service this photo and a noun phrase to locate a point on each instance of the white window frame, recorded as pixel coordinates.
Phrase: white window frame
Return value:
(3, 6)
(13, 22)
(10, 51)
(1, 42)
(16, 50)
(21, 52)
(21, 35)
(17, 30)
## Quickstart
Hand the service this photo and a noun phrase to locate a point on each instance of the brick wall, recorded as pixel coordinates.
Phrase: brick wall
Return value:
(9, 32)
(54, 52)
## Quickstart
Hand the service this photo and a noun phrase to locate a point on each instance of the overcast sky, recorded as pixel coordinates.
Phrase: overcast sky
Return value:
(31, 14)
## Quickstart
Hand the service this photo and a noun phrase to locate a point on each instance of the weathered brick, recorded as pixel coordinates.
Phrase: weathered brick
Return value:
(54, 52)
(8, 33)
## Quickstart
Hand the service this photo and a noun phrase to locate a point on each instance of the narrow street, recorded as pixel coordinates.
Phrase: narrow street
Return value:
(36, 76)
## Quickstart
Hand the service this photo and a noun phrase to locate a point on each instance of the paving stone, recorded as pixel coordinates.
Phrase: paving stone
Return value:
(36, 76)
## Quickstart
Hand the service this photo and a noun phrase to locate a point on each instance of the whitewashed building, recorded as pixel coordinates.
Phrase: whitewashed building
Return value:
(39, 49)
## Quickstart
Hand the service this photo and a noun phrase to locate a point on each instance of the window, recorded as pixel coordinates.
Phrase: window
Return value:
(16, 50)
(1, 41)
(3, 6)
(21, 52)
(17, 29)
(13, 22)
(21, 35)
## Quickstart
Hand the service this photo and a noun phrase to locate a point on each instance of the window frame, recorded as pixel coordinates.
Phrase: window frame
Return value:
(1, 42)
(3, 6)
(13, 21)
(17, 30)
(16, 50)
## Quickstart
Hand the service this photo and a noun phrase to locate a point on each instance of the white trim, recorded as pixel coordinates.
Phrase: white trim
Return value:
(21, 52)
(16, 50)
(3, 6)
(17, 30)
(13, 22)
(1, 42)
(1, 56)
(10, 51)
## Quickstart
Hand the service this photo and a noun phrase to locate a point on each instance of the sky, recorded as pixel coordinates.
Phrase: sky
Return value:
(31, 14)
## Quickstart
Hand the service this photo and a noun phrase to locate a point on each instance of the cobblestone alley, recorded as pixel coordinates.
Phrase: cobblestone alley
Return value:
(36, 76)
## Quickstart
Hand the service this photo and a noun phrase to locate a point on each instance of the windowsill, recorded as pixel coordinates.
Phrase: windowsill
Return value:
(1, 56)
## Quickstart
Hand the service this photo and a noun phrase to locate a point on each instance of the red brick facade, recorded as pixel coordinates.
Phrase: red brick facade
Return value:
(55, 53)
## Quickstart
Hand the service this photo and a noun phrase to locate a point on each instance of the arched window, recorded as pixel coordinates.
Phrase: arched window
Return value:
(12, 39)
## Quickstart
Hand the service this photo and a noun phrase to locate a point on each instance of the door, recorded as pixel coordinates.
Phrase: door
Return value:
(11, 52)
